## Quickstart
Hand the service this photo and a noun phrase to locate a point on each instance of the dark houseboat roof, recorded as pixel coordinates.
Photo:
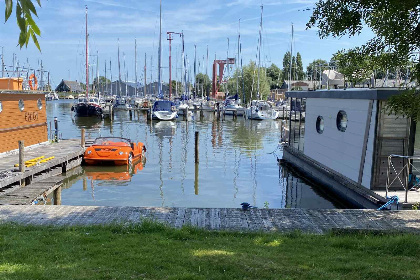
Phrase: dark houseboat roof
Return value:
(350, 93)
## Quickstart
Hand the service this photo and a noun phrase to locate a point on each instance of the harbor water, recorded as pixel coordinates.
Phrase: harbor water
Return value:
(238, 162)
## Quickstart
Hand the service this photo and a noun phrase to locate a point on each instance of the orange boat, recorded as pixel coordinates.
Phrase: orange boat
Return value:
(114, 150)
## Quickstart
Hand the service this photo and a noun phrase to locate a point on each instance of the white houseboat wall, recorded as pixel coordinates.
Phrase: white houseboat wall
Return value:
(347, 140)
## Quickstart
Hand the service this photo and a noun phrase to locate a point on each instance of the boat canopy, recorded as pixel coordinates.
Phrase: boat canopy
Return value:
(163, 105)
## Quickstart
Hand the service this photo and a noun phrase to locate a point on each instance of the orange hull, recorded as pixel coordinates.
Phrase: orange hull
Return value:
(113, 150)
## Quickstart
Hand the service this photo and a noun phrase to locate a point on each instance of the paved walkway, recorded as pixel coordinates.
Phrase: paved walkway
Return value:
(282, 220)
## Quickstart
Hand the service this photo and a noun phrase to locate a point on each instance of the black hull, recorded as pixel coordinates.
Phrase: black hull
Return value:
(87, 110)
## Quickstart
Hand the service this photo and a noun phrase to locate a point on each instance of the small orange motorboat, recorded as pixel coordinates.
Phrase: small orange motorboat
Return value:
(114, 150)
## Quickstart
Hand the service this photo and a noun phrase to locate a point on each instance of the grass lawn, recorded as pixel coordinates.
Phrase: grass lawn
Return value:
(154, 251)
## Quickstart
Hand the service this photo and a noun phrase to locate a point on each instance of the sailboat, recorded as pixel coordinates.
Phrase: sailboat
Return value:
(233, 103)
(87, 106)
(260, 109)
(162, 109)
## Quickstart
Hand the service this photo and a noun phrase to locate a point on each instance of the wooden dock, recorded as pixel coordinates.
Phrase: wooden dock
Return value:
(319, 221)
(39, 179)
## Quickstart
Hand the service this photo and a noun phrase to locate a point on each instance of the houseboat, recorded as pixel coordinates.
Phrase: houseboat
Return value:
(22, 117)
(347, 140)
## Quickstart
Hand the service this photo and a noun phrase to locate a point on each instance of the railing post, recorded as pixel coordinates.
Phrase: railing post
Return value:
(22, 161)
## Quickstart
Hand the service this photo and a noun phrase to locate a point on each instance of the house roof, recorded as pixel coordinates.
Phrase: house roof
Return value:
(72, 85)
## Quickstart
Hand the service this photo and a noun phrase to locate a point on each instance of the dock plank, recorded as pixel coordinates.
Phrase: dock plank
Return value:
(281, 220)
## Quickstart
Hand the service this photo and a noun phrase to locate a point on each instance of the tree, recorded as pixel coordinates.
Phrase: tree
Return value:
(299, 67)
(250, 80)
(286, 66)
(354, 65)
(395, 24)
(27, 25)
(274, 76)
(315, 68)
(204, 81)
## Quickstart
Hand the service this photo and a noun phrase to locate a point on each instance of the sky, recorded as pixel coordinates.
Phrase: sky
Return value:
(205, 24)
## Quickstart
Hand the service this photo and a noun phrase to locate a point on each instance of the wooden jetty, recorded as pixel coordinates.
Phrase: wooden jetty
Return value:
(41, 178)
(319, 221)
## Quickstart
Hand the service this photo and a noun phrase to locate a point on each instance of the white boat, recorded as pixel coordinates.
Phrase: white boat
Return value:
(261, 110)
(51, 96)
(121, 103)
(164, 110)
(232, 105)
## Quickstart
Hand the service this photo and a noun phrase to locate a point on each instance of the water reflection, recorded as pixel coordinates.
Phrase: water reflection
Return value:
(112, 175)
(236, 164)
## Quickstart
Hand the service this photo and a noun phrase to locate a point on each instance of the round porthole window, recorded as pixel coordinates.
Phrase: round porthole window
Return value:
(21, 105)
(342, 121)
(39, 104)
(1, 107)
(320, 124)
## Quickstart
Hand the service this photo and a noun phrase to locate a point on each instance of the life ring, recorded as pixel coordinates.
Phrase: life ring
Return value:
(35, 85)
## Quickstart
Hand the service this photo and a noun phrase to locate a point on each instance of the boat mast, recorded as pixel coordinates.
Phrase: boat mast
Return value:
(110, 70)
(290, 67)
(259, 56)
(119, 69)
(227, 69)
(106, 84)
(195, 72)
(87, 56)
(160, 49)
(237, 61)
(97, 72)
(135, 65)
(145, 77)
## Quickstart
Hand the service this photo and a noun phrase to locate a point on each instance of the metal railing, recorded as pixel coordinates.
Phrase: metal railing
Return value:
(405, 171)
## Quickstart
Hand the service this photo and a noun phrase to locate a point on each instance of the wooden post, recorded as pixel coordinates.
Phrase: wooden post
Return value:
(82, 140)
(284, 116)
(22, 161)
(57, 196)
(84, 183)
(21, 156)
(196, 179)
(56, 129)
(111, 113)
(196, 146)
(151, 113)
(235, 114)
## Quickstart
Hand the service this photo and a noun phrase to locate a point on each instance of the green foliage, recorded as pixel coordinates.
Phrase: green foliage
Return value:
(274, 75)
(315, 68)
(395, 25)
(416, 206)
(28, 28)
(407, 104)
(250, 82)
(102, 81)
(204, 81)
(297, 67)
(354, 64)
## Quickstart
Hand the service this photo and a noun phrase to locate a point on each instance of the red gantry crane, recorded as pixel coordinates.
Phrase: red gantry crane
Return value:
(221, 63)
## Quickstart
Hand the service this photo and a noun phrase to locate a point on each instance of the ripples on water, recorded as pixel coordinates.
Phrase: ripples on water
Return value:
(238, 163)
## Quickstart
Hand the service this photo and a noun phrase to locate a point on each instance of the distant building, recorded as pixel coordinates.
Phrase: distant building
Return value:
(69, 86)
